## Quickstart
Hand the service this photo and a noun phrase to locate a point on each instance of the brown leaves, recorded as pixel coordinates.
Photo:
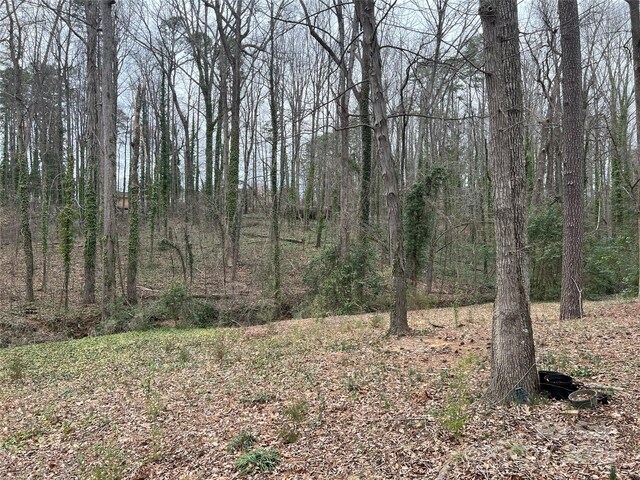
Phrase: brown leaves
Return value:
(375, 407)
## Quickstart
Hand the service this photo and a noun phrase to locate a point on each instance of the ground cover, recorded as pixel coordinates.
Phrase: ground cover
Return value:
(320, 398)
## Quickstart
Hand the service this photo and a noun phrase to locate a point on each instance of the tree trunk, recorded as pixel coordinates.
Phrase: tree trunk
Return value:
(343, 115)
(634, 12)
(221, 145)
(275, 198)
(134, 200)
(573, 157)
(366, 139)
(365, 10)
(16, 50)
(232, 43)
(512, 356)
(108, 155)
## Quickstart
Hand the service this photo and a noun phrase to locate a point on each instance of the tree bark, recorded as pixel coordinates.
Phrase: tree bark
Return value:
(573, 157)
(365, 9)
(345, 169)
(634, 12)
(512, 355)
(93, 146)
(108, 155)
(273, 173)
(232, 43)
(16, 50)
(134, 201)
(366, 137)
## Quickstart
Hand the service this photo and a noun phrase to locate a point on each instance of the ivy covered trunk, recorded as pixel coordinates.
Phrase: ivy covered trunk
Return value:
(15, 50)
(134, 208)
(67, 216)
(275, 197)
(90, 214)
(108, 156)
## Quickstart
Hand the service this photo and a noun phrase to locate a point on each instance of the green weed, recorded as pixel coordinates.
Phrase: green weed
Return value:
(288, 435)
(111, 465)
(455, 413)
(294, 416)
(17, 441)
(258, 460)
(242, 442)
(376, 322)
(16, 368)
(297, 411)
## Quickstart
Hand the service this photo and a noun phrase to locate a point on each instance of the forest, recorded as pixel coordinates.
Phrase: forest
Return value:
(240, 121)
(256, 197)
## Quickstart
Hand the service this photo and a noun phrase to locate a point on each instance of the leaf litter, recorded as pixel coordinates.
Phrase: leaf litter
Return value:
(167, 404)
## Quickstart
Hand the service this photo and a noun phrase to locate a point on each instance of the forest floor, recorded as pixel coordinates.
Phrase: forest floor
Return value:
(330, 398)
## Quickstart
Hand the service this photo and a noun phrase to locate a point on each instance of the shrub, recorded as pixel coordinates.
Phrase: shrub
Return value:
(294, 415)
(175, 299)
(607, 269)
(344, 285)
(455, 412)
(545, 252)
(607, 266)
(175, 306)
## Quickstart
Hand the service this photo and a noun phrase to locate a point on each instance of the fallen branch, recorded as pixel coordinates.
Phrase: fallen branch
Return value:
(260, 235)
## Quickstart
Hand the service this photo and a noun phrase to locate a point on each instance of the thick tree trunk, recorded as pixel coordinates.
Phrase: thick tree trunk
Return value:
(573, 157)
(634, 12)
(108, 155)
(512, 356)
(365, 10)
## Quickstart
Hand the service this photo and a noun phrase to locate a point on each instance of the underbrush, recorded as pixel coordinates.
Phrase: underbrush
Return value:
(344, 285)
(177, 307)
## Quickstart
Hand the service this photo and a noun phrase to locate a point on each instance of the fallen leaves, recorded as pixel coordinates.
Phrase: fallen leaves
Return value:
(167, 404)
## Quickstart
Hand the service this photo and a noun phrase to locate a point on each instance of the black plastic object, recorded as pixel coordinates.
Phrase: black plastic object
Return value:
(556, 384)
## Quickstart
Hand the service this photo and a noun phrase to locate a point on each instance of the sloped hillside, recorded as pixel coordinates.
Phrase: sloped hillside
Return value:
(319, 398)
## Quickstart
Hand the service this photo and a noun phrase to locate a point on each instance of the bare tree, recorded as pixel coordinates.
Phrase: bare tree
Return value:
(343, 56)
(365, 10)
(233, 29)
(513, 362)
